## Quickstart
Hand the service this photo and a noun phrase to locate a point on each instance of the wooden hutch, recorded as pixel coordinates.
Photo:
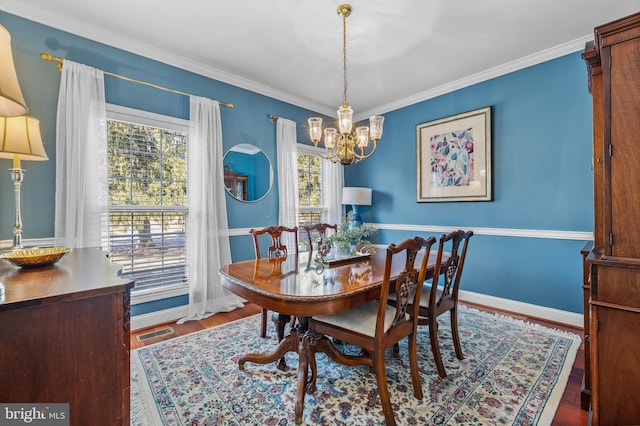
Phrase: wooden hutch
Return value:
(612, 265)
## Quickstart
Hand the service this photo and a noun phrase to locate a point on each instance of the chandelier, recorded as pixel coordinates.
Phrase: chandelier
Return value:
(341, 145)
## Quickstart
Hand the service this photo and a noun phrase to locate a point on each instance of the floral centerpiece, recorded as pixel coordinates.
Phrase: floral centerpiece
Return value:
(351, 237)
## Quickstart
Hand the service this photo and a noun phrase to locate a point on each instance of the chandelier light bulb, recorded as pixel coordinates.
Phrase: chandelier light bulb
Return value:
(315, 129)
(345, 116)
(330, 138)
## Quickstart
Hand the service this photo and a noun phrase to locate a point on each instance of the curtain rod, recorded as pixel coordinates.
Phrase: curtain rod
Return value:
(273, 118)
(49, 57)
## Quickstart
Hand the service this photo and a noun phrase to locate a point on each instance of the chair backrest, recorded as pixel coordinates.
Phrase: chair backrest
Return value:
(411, 277)
(451, 269)
(277, 247)
(319, 230)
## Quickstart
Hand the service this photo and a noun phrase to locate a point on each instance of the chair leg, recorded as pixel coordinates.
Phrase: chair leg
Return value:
(263, 325)
(383, 389)
(435, 347)
(413, 362)
(396, 350)
(281, 322)
(454, 333)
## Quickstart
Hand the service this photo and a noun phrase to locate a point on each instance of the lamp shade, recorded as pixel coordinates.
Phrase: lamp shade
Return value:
(21, 136)
(356, 196)
(11, 100)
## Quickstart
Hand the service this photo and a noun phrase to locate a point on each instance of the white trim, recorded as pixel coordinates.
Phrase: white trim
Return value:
(138, 47)
(29, 243)
(146, 118)
(158, 317)
(521, 63)
(500, 232)
(549, 314)
(158, 293)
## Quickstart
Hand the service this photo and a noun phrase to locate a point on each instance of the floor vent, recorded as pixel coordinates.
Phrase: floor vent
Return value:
(155, 333)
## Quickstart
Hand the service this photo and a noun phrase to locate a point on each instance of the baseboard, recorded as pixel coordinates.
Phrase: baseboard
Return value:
(158, 317)
(548, 314)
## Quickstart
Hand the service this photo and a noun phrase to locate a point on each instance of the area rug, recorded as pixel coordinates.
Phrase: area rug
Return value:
(513, 373)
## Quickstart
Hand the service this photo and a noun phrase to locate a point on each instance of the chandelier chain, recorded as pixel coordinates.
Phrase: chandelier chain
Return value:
(345, 102)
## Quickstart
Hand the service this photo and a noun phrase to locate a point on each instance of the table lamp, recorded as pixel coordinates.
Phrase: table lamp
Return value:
(356, 196)
(20, 140)
(11, 100)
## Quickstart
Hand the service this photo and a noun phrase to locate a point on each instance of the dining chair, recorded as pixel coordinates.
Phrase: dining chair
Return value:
(438, 297)
(319, 230)
(377, 326)
(277, 250)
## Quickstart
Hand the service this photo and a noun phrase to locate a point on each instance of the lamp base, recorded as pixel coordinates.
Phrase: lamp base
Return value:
(356, 219)
(17, 176)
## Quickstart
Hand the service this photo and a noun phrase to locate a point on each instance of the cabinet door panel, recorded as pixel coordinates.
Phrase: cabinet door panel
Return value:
(625, 140)
(618, 361)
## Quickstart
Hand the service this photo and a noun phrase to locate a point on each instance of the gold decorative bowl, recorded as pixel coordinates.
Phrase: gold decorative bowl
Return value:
(35, 257)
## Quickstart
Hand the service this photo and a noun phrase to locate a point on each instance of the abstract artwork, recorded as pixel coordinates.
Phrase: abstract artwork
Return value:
(454, 158)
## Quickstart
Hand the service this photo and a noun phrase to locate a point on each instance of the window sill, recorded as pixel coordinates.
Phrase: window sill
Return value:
(153, 294)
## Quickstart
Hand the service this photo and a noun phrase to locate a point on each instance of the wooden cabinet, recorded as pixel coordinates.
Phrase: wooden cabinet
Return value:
(64, 337)
(585, 393)
(236, 184)
(615, 340)
(613, 266)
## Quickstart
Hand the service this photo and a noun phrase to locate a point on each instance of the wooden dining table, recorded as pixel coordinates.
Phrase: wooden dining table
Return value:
(303, 286)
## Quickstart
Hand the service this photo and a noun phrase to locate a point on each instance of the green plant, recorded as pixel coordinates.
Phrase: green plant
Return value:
(349, 235)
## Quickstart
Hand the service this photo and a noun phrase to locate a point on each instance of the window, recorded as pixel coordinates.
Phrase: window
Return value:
(147, 157)
(311, 203)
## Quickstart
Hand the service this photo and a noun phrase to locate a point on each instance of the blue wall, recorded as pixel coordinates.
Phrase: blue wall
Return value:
(541, 119)
(541, 158)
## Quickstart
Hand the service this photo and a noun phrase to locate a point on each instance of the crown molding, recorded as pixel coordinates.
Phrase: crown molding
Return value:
(525, 62)
(146, 50)
(60, 22)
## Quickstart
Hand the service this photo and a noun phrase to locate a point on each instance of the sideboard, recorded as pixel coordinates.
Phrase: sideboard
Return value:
(64, 337)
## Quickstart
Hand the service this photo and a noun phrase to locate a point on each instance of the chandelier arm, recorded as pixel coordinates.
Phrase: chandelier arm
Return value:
(362, 156)
(331, 156)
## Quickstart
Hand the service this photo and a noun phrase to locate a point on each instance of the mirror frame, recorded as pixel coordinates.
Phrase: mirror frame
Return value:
(246, 148)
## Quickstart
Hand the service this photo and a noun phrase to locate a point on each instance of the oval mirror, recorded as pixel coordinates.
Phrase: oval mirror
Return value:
(248, 175)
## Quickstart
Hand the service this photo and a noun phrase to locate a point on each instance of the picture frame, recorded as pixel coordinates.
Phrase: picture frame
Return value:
(454, 158)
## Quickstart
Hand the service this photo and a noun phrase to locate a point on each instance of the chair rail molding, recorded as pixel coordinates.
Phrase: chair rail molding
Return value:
(500, 232)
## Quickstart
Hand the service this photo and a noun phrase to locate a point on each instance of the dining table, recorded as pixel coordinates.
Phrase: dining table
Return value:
(305, 285)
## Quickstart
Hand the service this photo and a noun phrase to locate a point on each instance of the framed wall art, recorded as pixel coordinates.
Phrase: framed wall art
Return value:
(454, 157)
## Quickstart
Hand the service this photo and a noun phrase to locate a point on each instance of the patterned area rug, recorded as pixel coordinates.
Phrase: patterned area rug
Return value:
(513, 373)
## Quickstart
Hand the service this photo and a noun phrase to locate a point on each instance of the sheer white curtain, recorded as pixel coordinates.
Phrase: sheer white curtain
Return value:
(286, 140)
(207, 227)
(81, 157)
(332, 190)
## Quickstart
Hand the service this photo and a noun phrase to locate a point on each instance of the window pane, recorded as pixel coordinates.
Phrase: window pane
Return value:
(146, 164)
(309, 180)
(150, 246)
(148, 198)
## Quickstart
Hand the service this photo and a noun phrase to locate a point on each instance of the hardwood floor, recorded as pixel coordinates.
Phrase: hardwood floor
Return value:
(568, 413)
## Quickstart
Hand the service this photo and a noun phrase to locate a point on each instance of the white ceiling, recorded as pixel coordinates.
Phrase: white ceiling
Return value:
(398, 51)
